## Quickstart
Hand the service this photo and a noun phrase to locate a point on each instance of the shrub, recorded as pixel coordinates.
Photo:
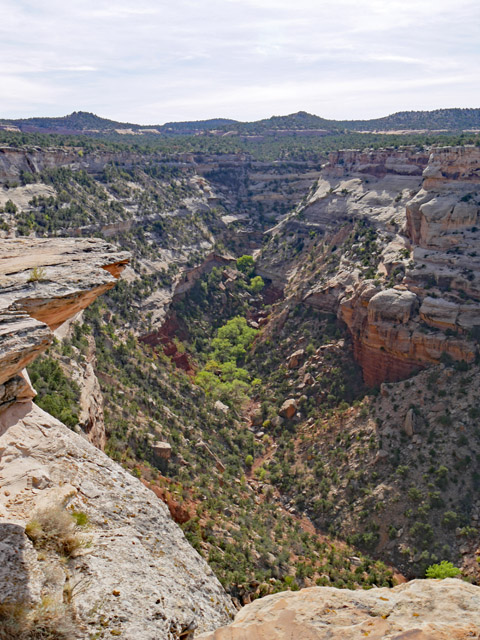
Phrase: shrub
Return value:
(415, 494)
(443, 570)
(54, 529)
(256, 284)
(10, 207)
(37, 275)
(80, 518)
(450, 519)
(246, 264)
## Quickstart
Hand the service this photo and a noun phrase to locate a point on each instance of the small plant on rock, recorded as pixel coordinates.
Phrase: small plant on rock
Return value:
(443, 570)
(37, 275)
(54, 530)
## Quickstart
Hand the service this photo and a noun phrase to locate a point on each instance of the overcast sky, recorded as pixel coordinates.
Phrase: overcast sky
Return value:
(152, 61)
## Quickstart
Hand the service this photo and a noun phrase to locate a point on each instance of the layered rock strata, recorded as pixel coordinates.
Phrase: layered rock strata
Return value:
(43, 283)
(419, 298)
(440, 289)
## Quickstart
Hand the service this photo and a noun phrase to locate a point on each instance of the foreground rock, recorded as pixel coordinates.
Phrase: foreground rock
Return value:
(135, 573)
(418, 610)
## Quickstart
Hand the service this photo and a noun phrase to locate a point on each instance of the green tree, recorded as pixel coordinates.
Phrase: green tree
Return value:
(10, 207)
(246, 264)
(256, 284)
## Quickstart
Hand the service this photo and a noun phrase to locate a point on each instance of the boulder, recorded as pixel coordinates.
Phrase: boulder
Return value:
(162, 450)
(221, 408)
(288, 408)
(294, 359)
(308, 379)
(392, 305)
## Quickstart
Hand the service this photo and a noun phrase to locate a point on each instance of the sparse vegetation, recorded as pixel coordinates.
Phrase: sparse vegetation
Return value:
(54, 530)
(38, 274)
(45, 621)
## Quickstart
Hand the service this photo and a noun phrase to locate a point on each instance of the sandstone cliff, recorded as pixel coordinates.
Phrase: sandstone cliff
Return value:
(134, 573)
(419, 610)
(387, 240)
(45, 282)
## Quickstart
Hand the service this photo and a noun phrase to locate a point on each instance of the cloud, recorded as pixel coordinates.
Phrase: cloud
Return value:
(152, 62)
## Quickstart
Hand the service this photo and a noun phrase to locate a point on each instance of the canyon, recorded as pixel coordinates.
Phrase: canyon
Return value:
(362, 430)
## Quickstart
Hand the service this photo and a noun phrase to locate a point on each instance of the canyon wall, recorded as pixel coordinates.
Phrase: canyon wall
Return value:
(395, 239)
(435, 309)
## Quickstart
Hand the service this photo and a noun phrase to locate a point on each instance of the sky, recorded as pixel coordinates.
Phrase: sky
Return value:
(152, 61)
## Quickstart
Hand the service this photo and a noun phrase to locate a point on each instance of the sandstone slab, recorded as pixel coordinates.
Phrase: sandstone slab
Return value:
(418, 610)
(43, 283)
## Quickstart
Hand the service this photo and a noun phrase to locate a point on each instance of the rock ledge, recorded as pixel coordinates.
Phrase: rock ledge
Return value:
(418, 610)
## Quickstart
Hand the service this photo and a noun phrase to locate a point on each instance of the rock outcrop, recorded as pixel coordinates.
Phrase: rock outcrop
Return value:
(378, 163)
(91, 415)
(139, 575)
(439, 294)
(131, 572)
(418, 610)
(396, 238)
(43, 283)
(14, 162)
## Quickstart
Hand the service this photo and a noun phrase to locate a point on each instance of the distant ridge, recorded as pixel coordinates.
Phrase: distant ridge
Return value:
(449, 119)
(85, 122)
(82, 122)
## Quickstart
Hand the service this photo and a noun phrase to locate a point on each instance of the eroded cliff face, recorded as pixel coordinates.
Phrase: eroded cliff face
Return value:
(435, 309)
(418, 610)
(392, 242)
(13, 162)
(45, 282)
(139, 577)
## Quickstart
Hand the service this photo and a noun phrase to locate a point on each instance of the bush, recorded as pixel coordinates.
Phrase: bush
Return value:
(80, 518)
(37, 275)
(256, 284)
(450, 520)
(443, 570)
(54, 530)
(10, 207)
